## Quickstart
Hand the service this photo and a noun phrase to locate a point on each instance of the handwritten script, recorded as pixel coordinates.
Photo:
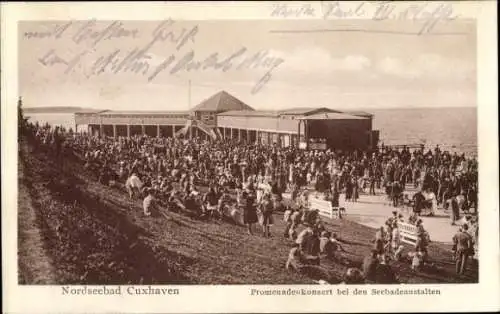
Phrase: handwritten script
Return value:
(429, 14)
(92, 62)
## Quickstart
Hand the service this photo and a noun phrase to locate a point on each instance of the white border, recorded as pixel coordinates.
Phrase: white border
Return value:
(30, 299)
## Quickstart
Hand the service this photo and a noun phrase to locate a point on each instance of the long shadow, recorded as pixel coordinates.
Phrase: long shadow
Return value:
(151, 266)
(135, 262)
(343, 241)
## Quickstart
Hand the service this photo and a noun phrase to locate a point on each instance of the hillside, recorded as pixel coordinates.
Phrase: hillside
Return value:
(93, 234)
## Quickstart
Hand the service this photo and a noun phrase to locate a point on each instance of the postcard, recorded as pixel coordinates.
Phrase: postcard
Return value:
(221, 157)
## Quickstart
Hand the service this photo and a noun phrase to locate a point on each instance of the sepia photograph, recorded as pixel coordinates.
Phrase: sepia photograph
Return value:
(196, 152)
(230, 157)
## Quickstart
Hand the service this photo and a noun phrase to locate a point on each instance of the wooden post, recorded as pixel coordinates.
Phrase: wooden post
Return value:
(306, 132)
(143, 129)
(128, 130)
(157, 130)
(114, 130)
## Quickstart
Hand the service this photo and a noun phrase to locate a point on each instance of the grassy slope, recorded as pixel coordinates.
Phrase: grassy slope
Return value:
(35, 266)
(133, 248)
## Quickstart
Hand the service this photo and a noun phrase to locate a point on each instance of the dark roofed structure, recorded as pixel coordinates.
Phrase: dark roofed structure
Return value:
(331, 116)
(225, 117)
(359, 113)
(304, 111)
(250, 113)
(220, 102)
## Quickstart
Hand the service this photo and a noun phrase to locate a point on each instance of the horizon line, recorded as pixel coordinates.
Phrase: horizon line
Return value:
(259, 109)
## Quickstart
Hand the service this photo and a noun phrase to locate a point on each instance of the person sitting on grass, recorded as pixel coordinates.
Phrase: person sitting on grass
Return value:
(210, 201)
(379, 242)
(309, 244)
(329, 245)
(370, 264)
(384, 273)
(303, 236)
(299, 262)
(224, 201)
(353, 276)
(149, 202)
(296, 219)
(294, 261)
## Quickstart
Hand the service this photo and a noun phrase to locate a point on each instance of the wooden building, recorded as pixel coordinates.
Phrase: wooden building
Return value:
(223, 116)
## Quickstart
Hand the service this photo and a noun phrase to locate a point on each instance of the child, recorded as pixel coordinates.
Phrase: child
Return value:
(148, 202)
(398, 253)
(294, 258)
(287, 218)
(295, 218)
(417, 260)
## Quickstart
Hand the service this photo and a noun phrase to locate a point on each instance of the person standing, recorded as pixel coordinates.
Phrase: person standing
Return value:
(395, 239)
(455, 210)
(463, 246)
(266, 209)
(249, 210)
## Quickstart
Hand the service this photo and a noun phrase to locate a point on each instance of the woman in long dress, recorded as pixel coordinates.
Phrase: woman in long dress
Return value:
(348, 189)
(355, 189)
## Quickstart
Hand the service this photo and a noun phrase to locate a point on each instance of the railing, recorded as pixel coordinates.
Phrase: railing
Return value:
(207, 129)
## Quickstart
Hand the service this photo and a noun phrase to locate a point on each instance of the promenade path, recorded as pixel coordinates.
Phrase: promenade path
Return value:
(373, 210)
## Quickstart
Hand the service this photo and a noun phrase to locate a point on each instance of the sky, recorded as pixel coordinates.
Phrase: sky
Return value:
(345, 64)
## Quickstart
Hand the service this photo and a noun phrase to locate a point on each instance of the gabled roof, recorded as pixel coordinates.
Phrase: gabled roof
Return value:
(220, 102)
(331, 116)
(305, 111)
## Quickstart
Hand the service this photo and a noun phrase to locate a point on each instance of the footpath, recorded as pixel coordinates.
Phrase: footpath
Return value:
(373, 210)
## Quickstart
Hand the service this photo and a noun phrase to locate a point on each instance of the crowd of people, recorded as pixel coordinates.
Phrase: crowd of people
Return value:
(247, 181)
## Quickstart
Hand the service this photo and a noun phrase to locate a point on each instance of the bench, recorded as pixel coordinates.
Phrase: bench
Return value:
(325, 208)
(408, 233)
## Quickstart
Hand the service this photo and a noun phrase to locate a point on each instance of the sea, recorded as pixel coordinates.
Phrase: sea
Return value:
(453, 129)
